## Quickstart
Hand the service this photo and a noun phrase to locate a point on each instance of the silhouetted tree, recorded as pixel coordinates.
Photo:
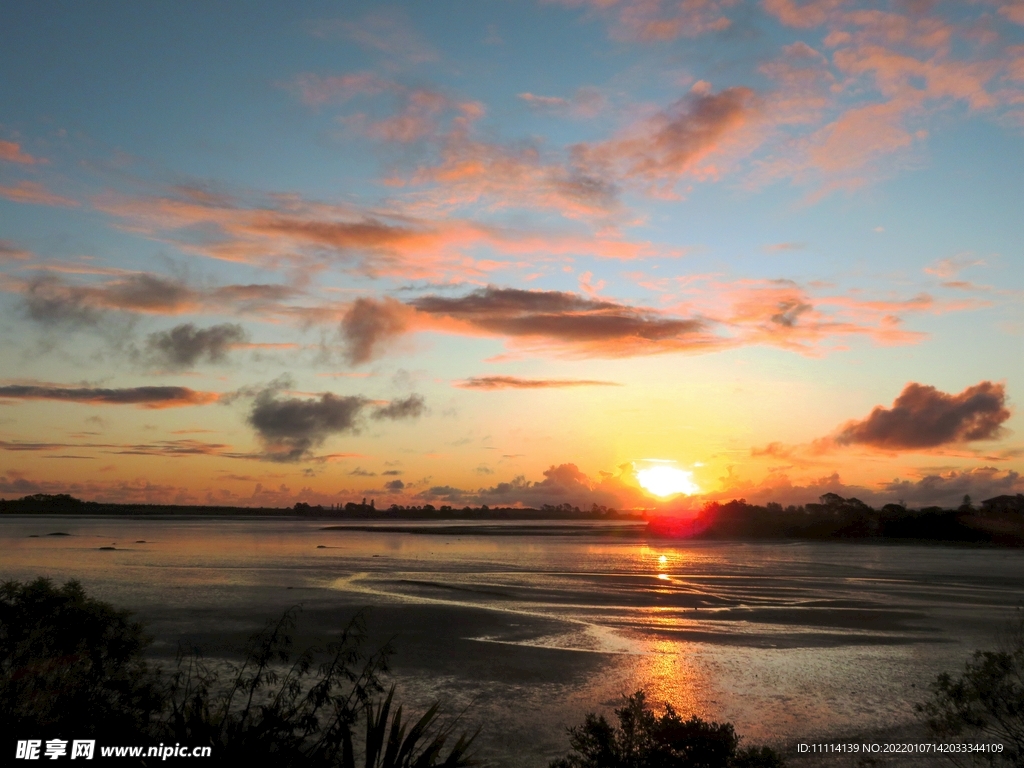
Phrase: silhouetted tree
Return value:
(643, 740)
(73, 667)
(70, 664)
(984, 704)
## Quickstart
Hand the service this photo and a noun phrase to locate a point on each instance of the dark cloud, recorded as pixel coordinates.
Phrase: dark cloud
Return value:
(410, 408)
(562, 317)
(394, 485)
(146, 397)
(50, 301)
(392, 472)
(924, 417)
(514, 382)
(149, 293)
(185, 345)
(290, 427)
(360, 472)
(369, 324)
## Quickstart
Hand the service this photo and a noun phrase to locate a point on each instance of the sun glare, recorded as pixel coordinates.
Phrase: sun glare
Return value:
(663, 480)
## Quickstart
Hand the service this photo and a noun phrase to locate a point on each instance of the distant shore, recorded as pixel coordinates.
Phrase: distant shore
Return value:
(997, 522)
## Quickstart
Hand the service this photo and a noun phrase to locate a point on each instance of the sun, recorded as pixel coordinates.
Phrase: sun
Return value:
(662, 479)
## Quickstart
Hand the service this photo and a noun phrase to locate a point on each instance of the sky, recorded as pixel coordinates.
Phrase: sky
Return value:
(633, 253)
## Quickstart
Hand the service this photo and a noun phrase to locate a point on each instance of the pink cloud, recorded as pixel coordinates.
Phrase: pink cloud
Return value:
(386, 30)
(658, 20)
(315, 90)
(11, 152)
(682, 139)
(292, 230)
(488, 383)
(804, 15)
(34, 193)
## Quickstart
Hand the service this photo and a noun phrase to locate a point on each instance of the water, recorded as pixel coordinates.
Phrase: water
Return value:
(525, 630)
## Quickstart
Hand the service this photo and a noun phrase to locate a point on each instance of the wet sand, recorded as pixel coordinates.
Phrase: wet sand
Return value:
(524, 633)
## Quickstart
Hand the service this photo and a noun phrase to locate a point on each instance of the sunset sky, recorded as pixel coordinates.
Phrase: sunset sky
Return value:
(512, 251)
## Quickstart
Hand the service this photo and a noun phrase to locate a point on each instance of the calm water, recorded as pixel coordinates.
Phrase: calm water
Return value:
(528, 632)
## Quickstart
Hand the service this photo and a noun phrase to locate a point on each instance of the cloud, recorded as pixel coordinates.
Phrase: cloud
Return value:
(387, 31)
(291, 427)
(517, 175)
(51, 300)
(585, 103)
(552, 318)
(562, 484)
(287, 229)
(417, 117)
(11, 152)
(661, 149)
(514, 382)
(924, 417)
(805, 15)
(10, 252)
(780, 313)
(394, 485)
(144, 397)
(658, 20)
(409, 408)
(369, 325)
(185, 345)
(315, 90)
(34, 193)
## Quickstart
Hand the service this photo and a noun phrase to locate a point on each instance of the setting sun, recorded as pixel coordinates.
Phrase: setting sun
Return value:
(664, 480)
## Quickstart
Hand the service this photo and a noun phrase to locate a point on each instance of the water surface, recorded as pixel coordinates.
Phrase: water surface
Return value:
(528, 629)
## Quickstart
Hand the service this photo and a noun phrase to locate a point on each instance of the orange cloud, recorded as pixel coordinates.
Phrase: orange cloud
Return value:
(11, 152)
(658, 20)
(293, 230)
(387, 31)
(143, 397)
(315, 90)
(514, 382)
(660, 150)
(34, 193)
(584, 103)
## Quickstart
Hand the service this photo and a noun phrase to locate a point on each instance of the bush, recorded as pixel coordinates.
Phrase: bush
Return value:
(70, 664)
(73, 667)
(643, 740)
(274, 705)
(985, 704)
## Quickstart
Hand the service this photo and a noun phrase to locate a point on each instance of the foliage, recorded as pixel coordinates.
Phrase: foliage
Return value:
(643, 740)
(274, 705)
(984, 704)
(70, 664)
(73, 666)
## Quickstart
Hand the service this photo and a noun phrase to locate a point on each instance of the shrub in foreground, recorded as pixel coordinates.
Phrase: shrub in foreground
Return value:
(73, 667)
(70, 664)
(985, 704)
(644, 740)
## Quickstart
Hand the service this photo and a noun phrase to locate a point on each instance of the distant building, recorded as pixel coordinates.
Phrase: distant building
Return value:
(1005, 503)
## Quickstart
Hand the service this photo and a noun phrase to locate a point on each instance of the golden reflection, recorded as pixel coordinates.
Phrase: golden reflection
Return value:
(668, 673)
